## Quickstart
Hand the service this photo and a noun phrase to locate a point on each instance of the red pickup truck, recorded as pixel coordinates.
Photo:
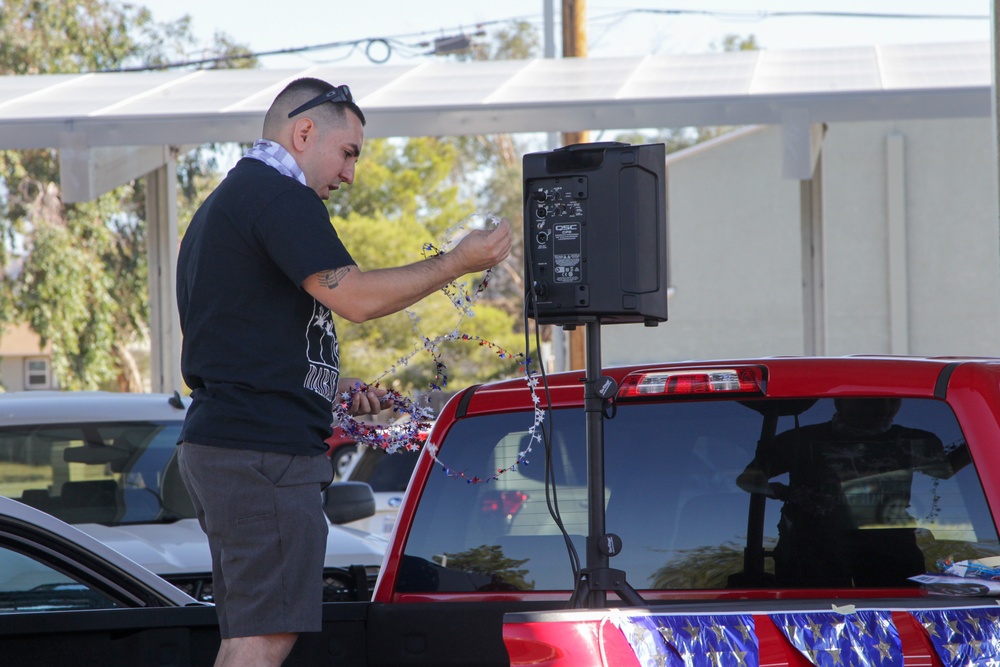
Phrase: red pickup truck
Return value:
(793, 499)
(748, 513)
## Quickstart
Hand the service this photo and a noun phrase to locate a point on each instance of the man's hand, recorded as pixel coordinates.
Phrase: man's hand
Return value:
(367, 401)
(481, 249)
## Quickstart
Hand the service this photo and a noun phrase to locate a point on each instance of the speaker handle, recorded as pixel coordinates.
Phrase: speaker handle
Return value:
(596, 146)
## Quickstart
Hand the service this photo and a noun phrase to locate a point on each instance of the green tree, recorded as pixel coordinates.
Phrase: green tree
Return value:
(401, 179)
(77, 273)
(399, 202)
(517, 40)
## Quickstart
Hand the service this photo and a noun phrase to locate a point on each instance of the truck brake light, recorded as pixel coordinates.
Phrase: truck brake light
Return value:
(505, 502)
(689, 382)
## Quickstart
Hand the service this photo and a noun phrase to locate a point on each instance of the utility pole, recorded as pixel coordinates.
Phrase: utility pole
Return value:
(574, 28)
(574, 39)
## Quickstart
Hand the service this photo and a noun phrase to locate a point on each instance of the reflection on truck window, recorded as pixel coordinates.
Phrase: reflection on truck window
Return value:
(847, 514)
(709, 495)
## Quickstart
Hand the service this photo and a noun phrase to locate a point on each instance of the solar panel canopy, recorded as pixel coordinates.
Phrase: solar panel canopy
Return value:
(113, 127)
(437, 98)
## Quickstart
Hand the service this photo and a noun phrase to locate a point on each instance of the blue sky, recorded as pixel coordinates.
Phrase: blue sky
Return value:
(612, 29)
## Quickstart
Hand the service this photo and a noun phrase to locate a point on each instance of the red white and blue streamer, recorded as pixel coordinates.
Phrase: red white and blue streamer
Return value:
(864, 638)
(410, 418)
(963, 637)
(691, 641)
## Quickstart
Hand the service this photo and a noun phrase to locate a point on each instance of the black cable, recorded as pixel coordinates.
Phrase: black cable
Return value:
(551, 492)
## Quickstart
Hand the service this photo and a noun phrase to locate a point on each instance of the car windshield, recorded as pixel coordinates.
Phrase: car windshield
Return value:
(107, 473)
(385, 473)
(709, 495)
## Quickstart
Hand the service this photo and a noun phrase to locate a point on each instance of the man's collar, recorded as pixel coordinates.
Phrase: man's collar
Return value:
(274, 154)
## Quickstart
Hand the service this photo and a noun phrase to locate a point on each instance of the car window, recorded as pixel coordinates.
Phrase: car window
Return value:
(387, 473)
(90, 473)
(29, 585)
(707, 495)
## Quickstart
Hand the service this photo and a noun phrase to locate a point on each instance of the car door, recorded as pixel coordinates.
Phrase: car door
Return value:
(67, 600)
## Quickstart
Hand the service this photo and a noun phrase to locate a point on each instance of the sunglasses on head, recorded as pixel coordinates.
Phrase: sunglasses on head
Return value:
(337, 94)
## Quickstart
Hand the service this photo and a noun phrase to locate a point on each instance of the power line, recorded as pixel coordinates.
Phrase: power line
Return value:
(388, 42)
(764, 14)
(398, 41)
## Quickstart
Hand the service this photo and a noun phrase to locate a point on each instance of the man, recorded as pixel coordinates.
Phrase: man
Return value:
(260, 270)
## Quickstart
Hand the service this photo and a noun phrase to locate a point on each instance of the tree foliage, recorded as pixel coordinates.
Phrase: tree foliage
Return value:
(399, 202)
(77, 273)
(515, 41)
(401, 179)
(85, 35)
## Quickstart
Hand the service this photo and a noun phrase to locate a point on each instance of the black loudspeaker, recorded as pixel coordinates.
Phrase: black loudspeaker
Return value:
(595, 234)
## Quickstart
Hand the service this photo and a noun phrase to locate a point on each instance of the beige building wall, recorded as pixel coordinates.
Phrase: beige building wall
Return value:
(950, 238)
(910, 255)
(24, 363)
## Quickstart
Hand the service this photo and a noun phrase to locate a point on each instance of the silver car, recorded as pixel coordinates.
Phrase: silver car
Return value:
(66, 599)
(106, 463)
(47, 565)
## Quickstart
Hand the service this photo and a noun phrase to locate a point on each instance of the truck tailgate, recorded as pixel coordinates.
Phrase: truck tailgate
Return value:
(939, 632)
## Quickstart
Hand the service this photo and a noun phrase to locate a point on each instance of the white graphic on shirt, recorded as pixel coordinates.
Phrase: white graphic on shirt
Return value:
(323, 353)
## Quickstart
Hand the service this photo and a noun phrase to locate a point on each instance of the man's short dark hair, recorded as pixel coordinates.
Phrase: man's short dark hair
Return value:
(306, 88)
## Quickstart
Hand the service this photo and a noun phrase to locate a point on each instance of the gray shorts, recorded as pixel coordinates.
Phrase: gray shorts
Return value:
(263, 515)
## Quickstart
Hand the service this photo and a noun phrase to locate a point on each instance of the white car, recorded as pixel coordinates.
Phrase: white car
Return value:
(388, 475)
(47, 565)
(66, 599)
(106, 463)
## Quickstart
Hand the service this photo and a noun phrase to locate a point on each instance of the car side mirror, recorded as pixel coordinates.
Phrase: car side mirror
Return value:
(344, 502)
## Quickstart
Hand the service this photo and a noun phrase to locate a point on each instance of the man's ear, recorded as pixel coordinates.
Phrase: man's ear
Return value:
(303, 132)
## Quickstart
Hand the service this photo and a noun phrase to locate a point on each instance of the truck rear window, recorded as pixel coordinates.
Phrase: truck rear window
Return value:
(853, 493)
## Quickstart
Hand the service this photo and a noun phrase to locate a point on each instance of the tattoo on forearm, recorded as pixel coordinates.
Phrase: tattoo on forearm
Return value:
(331, 279)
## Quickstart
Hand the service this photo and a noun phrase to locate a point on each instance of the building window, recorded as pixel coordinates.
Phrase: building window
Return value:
(37, 374)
